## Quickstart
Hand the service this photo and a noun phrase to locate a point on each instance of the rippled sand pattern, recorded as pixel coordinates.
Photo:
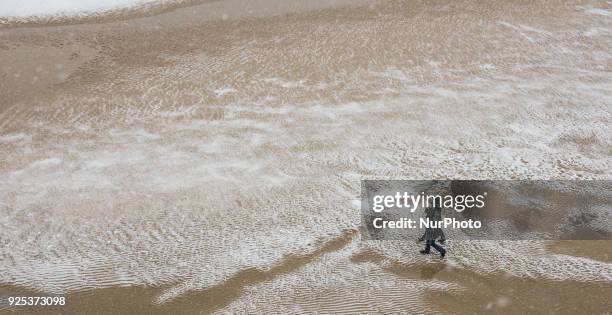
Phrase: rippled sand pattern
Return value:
(199, 157)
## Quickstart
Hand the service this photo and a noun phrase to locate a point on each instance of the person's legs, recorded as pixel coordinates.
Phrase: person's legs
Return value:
(436, 246)
(439, 248)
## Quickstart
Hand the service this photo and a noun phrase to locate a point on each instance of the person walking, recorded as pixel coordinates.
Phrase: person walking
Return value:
(432, 234)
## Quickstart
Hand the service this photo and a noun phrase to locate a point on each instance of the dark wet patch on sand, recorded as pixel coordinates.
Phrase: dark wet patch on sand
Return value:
(596, 249)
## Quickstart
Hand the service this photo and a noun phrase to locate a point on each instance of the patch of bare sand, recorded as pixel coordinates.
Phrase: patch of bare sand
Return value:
(33, 68)
(593, 249)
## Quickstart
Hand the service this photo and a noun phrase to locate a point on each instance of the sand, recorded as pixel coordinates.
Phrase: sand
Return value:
(206, 157)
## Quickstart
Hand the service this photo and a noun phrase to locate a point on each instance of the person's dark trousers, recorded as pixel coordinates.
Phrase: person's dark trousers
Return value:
(432, 243)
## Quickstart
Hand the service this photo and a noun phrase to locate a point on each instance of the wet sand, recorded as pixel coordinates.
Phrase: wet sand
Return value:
(206, 157)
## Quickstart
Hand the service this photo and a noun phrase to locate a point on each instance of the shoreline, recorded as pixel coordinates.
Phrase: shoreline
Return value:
(171, 12)
(99, 17)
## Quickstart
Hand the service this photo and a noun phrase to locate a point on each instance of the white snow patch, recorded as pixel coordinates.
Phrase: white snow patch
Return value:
(29, 8)
(13, 137)
(46, 162)
(222, 91)
(600, 12)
